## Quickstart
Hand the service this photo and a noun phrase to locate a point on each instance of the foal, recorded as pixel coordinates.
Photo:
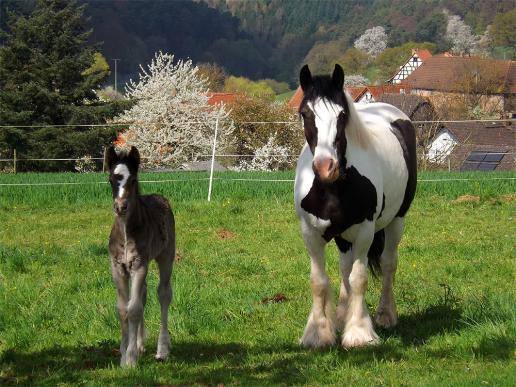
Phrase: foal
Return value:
(143, 229)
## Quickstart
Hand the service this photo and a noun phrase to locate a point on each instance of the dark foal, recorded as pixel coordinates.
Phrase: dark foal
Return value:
(143, 230)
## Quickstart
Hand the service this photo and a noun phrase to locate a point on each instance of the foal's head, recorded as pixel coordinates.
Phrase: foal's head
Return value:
(325, 113)
(123, 177)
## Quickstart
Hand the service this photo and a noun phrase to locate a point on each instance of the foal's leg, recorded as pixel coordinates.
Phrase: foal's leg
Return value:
(135, 312)
(358, 329)
(386, 315)
(121, 280)
(319, 331)
(165, 262)
(140, 339)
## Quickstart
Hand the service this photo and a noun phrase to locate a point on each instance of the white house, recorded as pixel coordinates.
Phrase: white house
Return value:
(416, 60)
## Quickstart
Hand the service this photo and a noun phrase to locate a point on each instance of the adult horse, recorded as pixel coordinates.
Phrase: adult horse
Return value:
(355, 181)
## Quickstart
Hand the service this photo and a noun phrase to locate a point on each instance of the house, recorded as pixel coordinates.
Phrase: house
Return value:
(416, 107)
(475, 146)
(372, 93)
(215, 98)
(417, 58)
(492, 81)
(359, 94)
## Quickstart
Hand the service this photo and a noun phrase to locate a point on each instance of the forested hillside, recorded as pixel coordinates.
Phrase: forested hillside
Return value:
(272, 38)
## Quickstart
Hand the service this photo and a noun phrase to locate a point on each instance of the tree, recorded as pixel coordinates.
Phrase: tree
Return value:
(265, 140)
(503, 29)
(354, 61)
(246, 86)
(373, 41)
(460, 35)
(355, 80)
(214, 74)
(47, 78)
(171, 120)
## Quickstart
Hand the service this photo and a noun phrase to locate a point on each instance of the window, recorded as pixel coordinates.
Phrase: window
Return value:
(482, 161)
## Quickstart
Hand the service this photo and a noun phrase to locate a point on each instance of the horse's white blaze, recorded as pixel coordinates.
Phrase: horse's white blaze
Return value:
(121, 169)
(326, 114)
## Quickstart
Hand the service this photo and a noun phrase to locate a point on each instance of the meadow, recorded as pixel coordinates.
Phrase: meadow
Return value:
(241, 286)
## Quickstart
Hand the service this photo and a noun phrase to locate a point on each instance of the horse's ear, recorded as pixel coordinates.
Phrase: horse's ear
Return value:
(134, 156)
(111, 157)
(338, 77)
(305, 78)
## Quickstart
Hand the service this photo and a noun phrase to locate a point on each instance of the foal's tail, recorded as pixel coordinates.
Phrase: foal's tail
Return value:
(375, 252)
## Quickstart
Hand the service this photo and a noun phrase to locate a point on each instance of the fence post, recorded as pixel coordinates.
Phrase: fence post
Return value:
(449, 164)
(104, 161)
(14, 161)
(213, 158)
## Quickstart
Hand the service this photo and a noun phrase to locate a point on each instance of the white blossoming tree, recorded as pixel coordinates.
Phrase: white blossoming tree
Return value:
(460, 35)
(171, 121)
(355, 80)
(269, 157)
(373, 41)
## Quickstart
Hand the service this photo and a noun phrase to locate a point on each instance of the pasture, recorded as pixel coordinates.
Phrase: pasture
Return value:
(241, 288)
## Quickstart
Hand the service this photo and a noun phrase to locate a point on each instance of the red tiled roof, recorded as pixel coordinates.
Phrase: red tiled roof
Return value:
(444, 72)
(218, 98)
(422, 53)
(356, 92)
(296, 99)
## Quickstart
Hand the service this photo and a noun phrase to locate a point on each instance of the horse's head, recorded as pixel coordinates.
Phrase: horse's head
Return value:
(123, 177)
(325, 113)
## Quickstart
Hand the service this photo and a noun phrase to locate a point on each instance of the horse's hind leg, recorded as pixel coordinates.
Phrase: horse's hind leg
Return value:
(319, 331)
(386, 315)
(165, 263)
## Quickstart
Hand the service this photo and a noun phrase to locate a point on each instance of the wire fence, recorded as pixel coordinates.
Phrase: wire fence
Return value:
(446, 161)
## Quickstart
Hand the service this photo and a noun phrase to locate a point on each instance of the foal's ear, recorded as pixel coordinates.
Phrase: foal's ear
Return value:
(305, 78)
(134, 157)
(111, 157)
(338, 77)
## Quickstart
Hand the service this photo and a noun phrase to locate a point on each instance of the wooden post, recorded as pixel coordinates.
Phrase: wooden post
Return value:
(449, 164)
(104, 161)
(14, 161)
(213, 158)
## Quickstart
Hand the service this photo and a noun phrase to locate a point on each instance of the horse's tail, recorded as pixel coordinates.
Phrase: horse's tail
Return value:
(375, 252)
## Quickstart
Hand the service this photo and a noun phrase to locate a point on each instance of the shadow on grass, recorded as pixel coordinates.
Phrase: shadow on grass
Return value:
(206, 362)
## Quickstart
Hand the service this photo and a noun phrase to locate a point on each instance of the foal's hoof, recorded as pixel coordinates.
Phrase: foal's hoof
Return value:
(162, 356)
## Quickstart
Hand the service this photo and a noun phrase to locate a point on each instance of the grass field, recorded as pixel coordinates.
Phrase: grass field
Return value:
(455, 287)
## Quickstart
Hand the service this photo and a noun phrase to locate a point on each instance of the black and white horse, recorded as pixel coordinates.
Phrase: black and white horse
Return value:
(355, 181)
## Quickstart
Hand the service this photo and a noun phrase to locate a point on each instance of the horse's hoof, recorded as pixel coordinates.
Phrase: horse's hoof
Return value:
(358, 337)
(386, 319)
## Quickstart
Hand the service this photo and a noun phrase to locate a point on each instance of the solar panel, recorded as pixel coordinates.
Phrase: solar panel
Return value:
(487, 166)
(494, 157)
(476, 156)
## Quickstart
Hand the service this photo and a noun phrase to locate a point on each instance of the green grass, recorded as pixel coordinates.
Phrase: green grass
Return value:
(454, 288)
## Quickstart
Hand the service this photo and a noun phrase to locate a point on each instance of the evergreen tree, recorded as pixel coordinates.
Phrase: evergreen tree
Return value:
(47, 78)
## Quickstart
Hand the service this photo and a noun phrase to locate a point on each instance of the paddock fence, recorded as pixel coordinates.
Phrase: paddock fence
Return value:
(463, 157)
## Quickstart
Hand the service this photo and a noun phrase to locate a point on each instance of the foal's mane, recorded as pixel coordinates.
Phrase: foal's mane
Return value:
(324, 89)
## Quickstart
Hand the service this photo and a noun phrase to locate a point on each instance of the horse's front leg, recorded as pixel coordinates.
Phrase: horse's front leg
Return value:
(121, 280)
(358, 327)
(135, 311)
(319, 331)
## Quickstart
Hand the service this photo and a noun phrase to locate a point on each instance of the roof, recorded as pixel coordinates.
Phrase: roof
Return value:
(447, 73)
(296, 99)
(355, 92)
(423, 54)
(409, 104)
(483, 137)
(218, 98)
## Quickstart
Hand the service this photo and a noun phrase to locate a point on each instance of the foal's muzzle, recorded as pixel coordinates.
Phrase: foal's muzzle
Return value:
(326, 168)
(120, 206)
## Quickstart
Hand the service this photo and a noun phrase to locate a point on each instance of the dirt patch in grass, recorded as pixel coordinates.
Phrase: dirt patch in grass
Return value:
(467, 199)
(277, 298)
(509, 197)
(224, 234)
(179, 257)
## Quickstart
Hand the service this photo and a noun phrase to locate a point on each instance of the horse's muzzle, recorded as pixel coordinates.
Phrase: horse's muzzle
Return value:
(120, 206)
(326, 168)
